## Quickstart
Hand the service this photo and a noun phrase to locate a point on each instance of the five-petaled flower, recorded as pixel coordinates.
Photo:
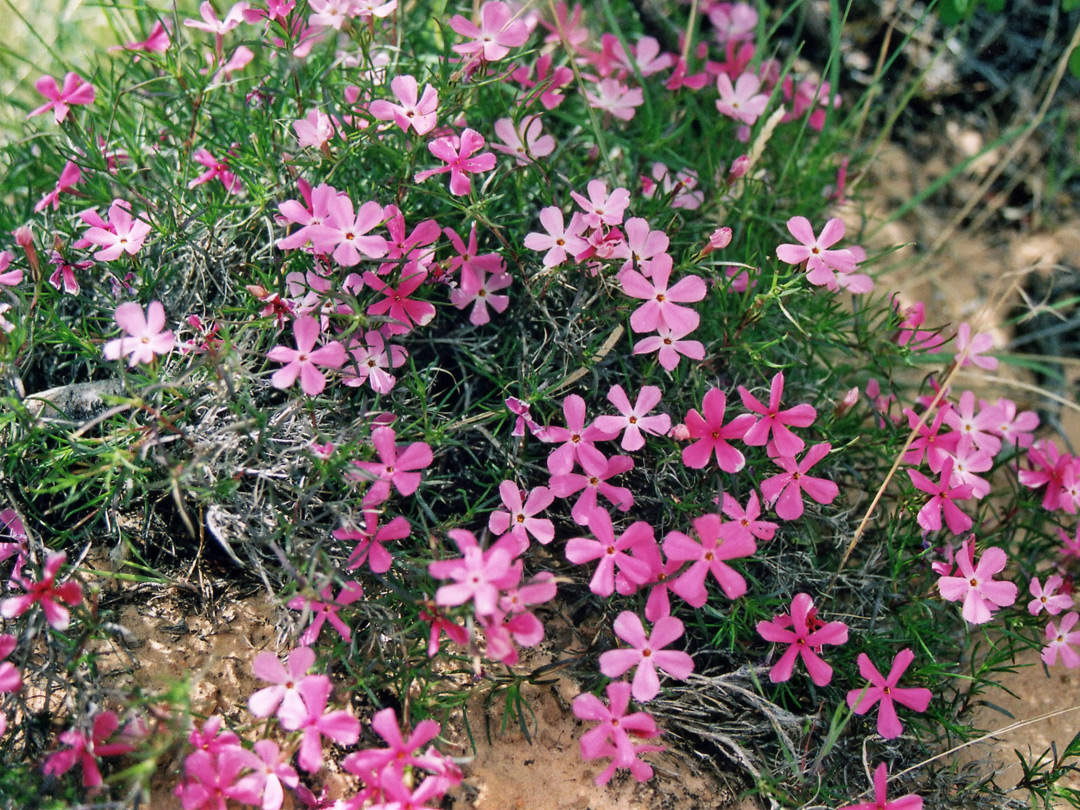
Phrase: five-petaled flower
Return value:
(461, 158)
(981, 594)
(121, 234)
(146, 336)
(1059, 641)
(76, 90)
(884, 690)
(86, 748)
(617, 733)
(647, 654)
(881, 777)
(303, 361)
(797, 630)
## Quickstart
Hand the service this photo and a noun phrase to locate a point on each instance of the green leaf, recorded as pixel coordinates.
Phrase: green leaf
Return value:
(1074, 59)
(1070, 5)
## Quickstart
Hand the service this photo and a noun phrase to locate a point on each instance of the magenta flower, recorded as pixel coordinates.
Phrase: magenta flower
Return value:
(707, 556)
(120, 235)
(70, 176)
(157, 41)
(745, 522)
(461, 160)
(670, 347)
(215, 168)
(821, 263)
(400, 753)
(371, 538)
(396, 467)
(212, 779)
(326, 608)
(548, 81)
(498, 32)
(316, 722)
(478, 575)
(633, 420)
(592, 484)
(1046, 598)
(981, 594)
(272, 771)
(52, 597)
(712, 435)
(10, 679)
(784, 491)
(887, 692)
(943, 501)
(403, 313)
(741, 101)
(76, 90)
(647, 654)
(881, 777)
(210, 22)
(285, 678)
(413, 110)
(775, 421)
(577, 440)
(519, 518)
(1059, 641)
(614, 553)
(617, 733)
(145, 337)
(802, 631)
(86, 748)
(662, 304)
(304, 360)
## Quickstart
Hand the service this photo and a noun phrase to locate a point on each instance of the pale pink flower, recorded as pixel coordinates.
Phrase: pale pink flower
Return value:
(600, 207)
(316, 722)
(345, 232)
(1048, 598)
(210, 22)
(304, 360)
(480, 290)
(708, 556)
(145, 337)
(413, 110)
(981, 594)
(497, 33)
(9, 278)
(478, 575)
(520, 515)
(802, 631)
(373, 360)
(822, 263)
(662, 303)
(1060, 640)
(617, 734)
(121, 234)
(592, 484)
(670, 346)
(525, 142)
(76, 90)
(741, 101)
(640, 246)
(647, 653)
(615, 98)
(316, 129)
(633, 420)
(577, 439)
(970, 349)
(561, 241)
(284, 680)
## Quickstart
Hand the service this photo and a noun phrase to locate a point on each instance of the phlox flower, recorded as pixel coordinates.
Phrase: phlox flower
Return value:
(269, 774)
(520, 515)
(944, 495)
(1060, 640)
(370, 548)
(670, 347)
(1016, 428)
(326, 609)
(525, 142)
(210, 22)
(145, 338)
(304, 360)
(617, 732)
(592, 484)
(647, 653)
(577, 439)
(70, 176)
(797, 630)
(745, 522)
(615, 98)
(10, 679)
(711, 435)
(774, 421)
(76, 90)
(212, 779)
(600, 207)
(821, 262)
(975, 586)
(614, 553)
(157, 41)
(215, 168)
(498, 32)
(886, 691)
(478, 288)
(968, 460)
(372, 360)
(1048, 467)
(86, 748)
(1048, 598)
(640, 246)
(212, 737)
(733, 22)
(929, 441)
(397, 467)
(403, 313)
(461, 158)
(971, 349)
(316, 722)
(478, 575)
(284, 679)
(316, 129)
(374, 764)
(708, 556)
(9, 278)
(784, 491)
(662, 307)
(741, 100)
(645, 55)
(561, 241)
(980, 428)
(440, 624)
(413, 252)
(881, 777)
(345, 233)
(413, 110)
(633, 421)
(121, 234)
(682, 184)
(548, 81)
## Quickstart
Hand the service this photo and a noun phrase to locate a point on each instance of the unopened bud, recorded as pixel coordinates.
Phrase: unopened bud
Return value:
(739, 167)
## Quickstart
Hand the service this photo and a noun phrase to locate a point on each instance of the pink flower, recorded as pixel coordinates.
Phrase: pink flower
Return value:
(213, 779)
(499, 31)
(775, 421)
(943, 501)
(86, 748)
(641, 246)
(70, 176)
(478, 288)
(210, 22)
(316, 129)
(395, 467)
(403, 313)
(284, 680)
(662, 304)
(707, 556)
(797, 630)
(121, 234)
(303, 361)
(881, 777)
(600, 207)
(821, 262)
(741, 101)
(975, 585)
(712, 434)
(784, 491)
(215, 168)
(1048, 598)
(10, 679)
(461, 160)
(547, 80)
(615, 98)
(1059, 641)
(268, 776)
(400, 753)
(316, 722)
(345, 234)
(971, 348)
(617, 733)
(145, 335)
(372, 360)
(520, 518)
(418, 112)
(370, 547)
(593, 484)
(76, 90)
(670, 346)
(612, 552)
(561, 241)
(478, 575)
(745, 522)
(577, 440)
(325, 609)
(887, 692)
(9, 278)
(647, 654)
(633, 421)
(525, 142)
(157, 41)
